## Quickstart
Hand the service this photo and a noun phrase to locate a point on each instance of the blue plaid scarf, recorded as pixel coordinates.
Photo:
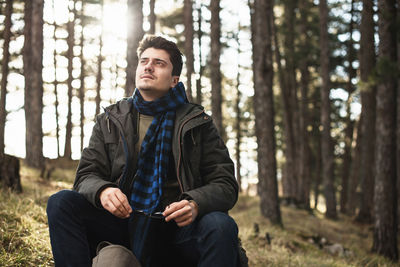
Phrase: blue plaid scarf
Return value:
(156, 147)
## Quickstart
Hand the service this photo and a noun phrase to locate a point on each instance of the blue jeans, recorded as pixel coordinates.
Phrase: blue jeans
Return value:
(76, 227)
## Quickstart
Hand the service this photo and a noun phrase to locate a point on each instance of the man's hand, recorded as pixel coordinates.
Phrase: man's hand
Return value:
(115, 202)
(183, 212)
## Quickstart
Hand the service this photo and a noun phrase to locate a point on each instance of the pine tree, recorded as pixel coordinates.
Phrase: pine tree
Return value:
(264, 110)
(385, 194)
(326, 142)
(33, 55)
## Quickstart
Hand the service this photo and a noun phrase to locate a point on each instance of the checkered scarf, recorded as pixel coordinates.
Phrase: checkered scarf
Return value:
(156, 147)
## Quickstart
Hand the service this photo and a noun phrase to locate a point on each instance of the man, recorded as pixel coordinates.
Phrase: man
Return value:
(153, 155)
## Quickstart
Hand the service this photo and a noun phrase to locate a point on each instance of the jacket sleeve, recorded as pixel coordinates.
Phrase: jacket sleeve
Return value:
(219, 189)
(94, 170)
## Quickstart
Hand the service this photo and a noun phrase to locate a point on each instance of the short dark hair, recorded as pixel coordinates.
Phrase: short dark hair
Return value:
(170, 47)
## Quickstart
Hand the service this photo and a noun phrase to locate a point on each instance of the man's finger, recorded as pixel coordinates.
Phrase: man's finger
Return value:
(126, 208)
(109, 206)
(119, 208)
(175, 206)
(112, 203)
(184, 212)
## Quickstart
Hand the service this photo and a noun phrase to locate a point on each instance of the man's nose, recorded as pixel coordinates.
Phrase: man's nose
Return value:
(149, 67)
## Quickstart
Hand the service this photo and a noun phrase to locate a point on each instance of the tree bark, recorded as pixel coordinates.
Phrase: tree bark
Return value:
(346, 160)
(368, 103)
(99, 75)
(326, 142)
(398, 120)
(9, 173)
(70, 58)
(351, 72)
(215, 67)
(135, 34)
(82, 77)
(264, 111)
(152, 17)
(317, 171)
(353, 200)
(385, 198)
(238, 121)
(304, 184)
(189, 34)
(5, 70)
(287, 178)
(33, 56)
(55, 84)
(291, 125)
(199, 34)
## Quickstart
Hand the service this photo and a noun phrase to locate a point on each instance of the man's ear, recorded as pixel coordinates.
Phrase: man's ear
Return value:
(175, 80)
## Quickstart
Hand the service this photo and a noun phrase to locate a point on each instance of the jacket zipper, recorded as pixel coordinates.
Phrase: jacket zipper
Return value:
(180, 146)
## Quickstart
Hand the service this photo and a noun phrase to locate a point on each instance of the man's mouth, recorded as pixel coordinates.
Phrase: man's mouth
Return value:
(147, 76)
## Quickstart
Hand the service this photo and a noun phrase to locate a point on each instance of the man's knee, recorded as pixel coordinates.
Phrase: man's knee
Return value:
(60, 201)
(220, 224)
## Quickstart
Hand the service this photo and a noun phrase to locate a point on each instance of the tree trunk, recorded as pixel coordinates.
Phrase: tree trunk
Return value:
(264, 111)
(368, 103)
(135, 34)
(152, 17)
(346, 160)
(238, 121)
(215, 68)
(189, 33)
(304, 162)
(70, 57)
(315, 146)
(353, 200)
(291, 124)
(33, 56)
(326, 142)
(287, 178)
(385, 198)
(5, 70)
(398, 123)
(199, 34)
(351, 72)
(55, 83)
(82, 77)
(99, 75)
(318, 171)
(9, 173)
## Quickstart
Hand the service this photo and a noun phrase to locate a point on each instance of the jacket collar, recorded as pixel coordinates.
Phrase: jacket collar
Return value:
(124, 108)
(121, 108)
(186, 111)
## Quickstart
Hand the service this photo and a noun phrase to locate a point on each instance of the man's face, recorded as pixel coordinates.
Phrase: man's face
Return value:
(154, 74)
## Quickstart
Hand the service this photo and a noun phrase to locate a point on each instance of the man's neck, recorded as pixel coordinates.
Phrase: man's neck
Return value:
(149, 96)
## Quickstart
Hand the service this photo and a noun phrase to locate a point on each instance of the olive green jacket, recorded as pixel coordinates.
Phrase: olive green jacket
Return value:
(204, 170)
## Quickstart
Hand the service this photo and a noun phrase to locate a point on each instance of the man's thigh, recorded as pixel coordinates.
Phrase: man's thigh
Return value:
(75, 213)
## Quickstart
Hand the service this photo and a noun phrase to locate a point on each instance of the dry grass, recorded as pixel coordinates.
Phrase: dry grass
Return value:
(292, 246)
(24, 238)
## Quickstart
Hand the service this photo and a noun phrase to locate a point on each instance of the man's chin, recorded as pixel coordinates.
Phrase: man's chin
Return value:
(145, 88)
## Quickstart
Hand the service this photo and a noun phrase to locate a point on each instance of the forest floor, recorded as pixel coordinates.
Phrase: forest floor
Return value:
(307, 239)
